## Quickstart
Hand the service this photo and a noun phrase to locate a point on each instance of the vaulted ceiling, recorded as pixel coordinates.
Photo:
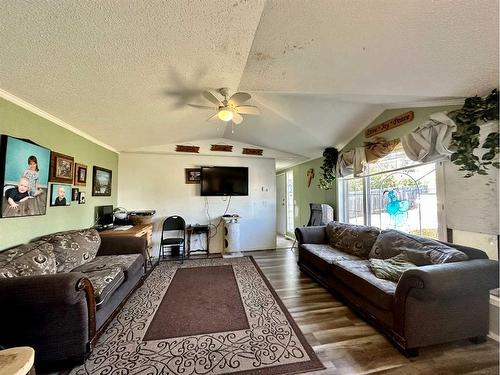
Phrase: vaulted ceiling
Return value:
(320, 71)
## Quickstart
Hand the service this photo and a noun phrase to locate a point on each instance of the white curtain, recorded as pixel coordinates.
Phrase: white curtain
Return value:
(430, 141)
(352, 161)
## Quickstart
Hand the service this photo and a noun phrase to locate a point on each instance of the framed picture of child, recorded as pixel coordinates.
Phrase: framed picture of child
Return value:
(24, 175)
(74, 194)
(81, 197)
(61, 168)
(60, 195)
(80, 175)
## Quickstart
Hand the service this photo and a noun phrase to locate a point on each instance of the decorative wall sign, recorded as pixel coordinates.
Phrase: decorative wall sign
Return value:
(390, 124)
(80, 174)
(101, 182)
(24, 175)
(193, 175)
(183, 148)
(225, 148)
(252, 151)
(61, 168)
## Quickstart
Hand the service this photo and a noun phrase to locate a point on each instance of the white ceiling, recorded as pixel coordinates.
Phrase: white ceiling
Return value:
(320, 71)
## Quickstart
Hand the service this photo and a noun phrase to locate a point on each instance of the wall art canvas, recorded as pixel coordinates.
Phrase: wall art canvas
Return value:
(81, 197)
(60, 195)
(61, 168)
(193, 175)
(80, 175)
(101, 182)
(24, 175)
(74, 194)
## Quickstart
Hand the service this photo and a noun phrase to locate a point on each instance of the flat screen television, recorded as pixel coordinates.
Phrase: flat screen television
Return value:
(224, 181)
(104, 215)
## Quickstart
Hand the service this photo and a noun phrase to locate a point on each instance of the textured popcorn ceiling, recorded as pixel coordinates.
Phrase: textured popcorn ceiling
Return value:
(123, 71)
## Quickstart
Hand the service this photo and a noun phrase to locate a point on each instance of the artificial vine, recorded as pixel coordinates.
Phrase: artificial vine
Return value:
(327, 178)
(475, 112)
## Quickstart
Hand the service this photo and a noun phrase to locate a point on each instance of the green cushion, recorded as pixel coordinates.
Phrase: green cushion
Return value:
(392, 268)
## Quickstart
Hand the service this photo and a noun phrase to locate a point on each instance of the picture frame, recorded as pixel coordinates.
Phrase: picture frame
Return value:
(60, 195)
(80, 175)
(81, 197)
(193, 175)
(24, 176)
(61, 168)
(74, 194)
(101, 182)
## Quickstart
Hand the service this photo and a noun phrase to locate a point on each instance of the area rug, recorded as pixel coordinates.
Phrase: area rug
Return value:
(206, 316)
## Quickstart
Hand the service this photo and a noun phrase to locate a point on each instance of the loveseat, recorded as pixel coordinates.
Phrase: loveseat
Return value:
(57, 293)
(443, 296)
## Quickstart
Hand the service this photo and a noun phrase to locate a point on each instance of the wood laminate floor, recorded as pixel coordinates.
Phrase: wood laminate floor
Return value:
(347, 345)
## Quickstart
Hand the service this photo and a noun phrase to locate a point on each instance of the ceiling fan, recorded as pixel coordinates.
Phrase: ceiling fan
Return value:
(228, 109)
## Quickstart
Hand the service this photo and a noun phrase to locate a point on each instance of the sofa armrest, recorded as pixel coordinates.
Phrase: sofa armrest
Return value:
(449, 280)
(121, 245)
(312, 235)
(59, 288)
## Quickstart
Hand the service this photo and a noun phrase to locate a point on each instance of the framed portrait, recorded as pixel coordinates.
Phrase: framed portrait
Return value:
(61, 168)
(193, 175)
(74, 194)
(60, 195)
(80, 175)
(24, 176)
(101, 182)
(81, 197)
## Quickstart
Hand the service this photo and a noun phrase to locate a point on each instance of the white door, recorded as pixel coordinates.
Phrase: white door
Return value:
(281, 204)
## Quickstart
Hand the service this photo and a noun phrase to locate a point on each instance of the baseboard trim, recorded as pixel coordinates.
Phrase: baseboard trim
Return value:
(494, 336)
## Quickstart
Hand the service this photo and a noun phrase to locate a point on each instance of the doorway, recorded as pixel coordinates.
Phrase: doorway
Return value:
(281, 204)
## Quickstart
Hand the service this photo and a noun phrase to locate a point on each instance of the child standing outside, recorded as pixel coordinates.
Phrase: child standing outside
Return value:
(31, 174)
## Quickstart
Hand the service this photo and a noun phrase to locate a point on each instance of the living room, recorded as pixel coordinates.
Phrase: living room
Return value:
(358, 106)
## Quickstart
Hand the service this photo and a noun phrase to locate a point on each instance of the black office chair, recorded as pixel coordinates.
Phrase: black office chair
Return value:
(321, 214)
(172, 223)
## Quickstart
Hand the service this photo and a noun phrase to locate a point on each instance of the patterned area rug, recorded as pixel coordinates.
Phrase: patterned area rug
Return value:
(272, 343)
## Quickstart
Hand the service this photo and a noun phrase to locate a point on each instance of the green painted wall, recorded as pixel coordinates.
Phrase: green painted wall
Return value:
(421, 115)
(304, 195)
(18, 122)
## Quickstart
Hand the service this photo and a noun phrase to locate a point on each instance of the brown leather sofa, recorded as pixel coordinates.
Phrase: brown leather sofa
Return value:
(59, 292)
(430, 304)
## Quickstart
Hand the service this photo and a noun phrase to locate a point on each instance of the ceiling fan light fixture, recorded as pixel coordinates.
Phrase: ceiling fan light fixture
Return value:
(225, 114)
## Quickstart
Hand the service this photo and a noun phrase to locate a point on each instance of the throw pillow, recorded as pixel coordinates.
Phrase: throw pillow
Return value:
(35, 258)
(74, 248)
(392, 268)
(353, 239)
(420, 250)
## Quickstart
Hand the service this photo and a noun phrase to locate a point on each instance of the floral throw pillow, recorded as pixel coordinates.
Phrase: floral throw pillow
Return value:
(74, 248)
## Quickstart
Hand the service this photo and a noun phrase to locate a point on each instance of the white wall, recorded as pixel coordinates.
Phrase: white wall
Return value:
(157, 181)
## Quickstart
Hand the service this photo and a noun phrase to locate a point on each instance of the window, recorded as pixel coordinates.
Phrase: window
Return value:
(396, 193)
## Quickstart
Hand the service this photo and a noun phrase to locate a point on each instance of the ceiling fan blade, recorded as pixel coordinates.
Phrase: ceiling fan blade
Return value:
(238, 98)
(237, 118)
(213, 117)
(248, 109)
(212, 98)
(201, 106)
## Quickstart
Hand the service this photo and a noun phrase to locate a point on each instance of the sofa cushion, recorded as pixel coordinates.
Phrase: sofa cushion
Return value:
(353, 239)
(420, 250)
(328, 253)
(392, 268)
(357, 275)
(74, 248)
(129, 264)
(105, 282)
(35, 258)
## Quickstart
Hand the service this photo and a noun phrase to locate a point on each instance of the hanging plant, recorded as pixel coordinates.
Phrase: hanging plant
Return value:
(328, 168)
(475, 112)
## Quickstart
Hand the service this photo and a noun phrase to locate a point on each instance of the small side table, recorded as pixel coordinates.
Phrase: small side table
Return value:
(17, 361)
(197, 229)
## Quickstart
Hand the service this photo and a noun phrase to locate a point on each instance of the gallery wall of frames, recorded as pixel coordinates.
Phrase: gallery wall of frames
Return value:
(33, 176)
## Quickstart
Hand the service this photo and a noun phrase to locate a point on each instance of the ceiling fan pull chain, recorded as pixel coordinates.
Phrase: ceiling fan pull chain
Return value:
(232, 127)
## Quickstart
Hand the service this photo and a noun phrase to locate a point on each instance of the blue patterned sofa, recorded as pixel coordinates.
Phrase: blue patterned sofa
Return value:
(58, 292)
